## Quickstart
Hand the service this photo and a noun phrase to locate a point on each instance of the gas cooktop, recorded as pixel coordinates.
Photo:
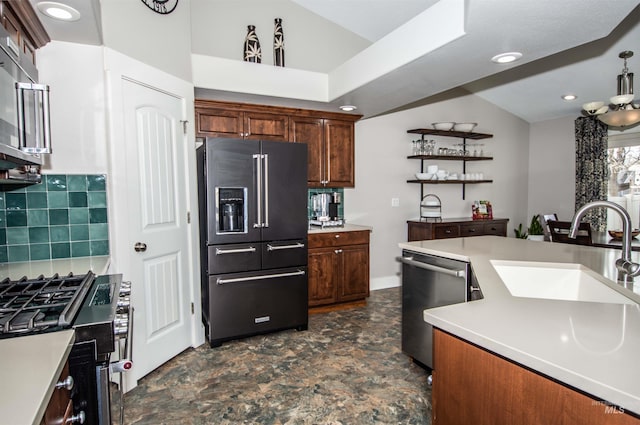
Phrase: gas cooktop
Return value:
(42, 304)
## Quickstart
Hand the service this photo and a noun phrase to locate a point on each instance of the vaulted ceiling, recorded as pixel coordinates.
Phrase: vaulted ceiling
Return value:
(570, 46)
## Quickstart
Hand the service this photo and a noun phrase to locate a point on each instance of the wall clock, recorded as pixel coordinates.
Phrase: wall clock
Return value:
(163, 7)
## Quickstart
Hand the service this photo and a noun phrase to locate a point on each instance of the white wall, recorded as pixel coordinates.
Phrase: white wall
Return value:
(311, 42)
(382, 169)
(552, 168)
(75, 74)
(162, 41)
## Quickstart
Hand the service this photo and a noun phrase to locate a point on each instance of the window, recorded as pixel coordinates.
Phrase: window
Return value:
(624, 177)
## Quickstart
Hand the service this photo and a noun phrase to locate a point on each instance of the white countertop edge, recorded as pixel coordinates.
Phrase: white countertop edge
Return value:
(417, 246)
(348, 227)
(606, 393)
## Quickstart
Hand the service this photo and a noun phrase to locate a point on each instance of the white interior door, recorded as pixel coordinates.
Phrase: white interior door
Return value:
(158, 234)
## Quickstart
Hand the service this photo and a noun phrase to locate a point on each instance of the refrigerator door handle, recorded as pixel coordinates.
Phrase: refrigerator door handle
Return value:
(265, 172)
(257, 158)
(277, 247)
(221, 281)
(234, 251)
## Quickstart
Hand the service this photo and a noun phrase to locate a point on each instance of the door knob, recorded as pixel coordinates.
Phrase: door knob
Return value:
(140, 247)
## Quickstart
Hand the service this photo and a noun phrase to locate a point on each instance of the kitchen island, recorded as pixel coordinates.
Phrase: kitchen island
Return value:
(591, 347)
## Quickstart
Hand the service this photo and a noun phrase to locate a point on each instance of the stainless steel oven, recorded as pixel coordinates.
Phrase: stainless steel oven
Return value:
(97, 307)
(430, 281)
(25, 133)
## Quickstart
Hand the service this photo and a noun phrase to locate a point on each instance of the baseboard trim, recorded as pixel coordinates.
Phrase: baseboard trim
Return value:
(384, 282)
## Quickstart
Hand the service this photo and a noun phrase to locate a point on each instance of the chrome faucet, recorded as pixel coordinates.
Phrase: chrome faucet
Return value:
(627, 269)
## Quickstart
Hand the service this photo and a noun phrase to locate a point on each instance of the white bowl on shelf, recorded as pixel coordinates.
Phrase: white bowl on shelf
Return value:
(443, 125)
(464, 126)
(424, 176)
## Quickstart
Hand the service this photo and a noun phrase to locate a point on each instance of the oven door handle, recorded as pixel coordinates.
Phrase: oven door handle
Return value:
(426, 266)
(221, 281)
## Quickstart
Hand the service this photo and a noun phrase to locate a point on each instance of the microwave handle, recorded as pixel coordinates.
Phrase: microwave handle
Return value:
(46, 121)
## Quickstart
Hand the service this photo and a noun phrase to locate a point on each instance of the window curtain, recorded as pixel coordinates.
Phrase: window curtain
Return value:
(592, 170)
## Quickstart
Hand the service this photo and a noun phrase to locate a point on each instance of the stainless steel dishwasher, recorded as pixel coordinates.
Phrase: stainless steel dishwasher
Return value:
(430, 281)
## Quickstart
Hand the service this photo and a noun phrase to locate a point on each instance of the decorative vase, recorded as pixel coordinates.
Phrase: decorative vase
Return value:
(278, 43)
(252, 52)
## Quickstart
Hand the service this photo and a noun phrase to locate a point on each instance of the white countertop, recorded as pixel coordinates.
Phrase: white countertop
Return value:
(594, 347)
(348, 227)
(32, 269)
(30, 369)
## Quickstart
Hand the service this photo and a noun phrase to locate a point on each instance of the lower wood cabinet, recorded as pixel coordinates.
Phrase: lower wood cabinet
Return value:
(474, 386)
(60, 408)
(418, 230)
(338, 268)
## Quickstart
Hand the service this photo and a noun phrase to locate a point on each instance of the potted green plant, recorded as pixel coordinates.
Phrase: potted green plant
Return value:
(536, 232)
(520, 234)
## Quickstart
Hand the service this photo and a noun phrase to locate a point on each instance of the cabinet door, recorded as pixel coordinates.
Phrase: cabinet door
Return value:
(265, 126)
(354, 283)
(339, 148)
(11, 24)
(419, 231)
(311, 132)
(443, 231)
(472, 229)
(219, 123)
(495, 228)
(323, 274)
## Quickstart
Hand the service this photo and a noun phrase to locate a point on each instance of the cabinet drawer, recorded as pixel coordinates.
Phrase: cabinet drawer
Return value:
(319, 240)
(498, 229)
(472, 229)
(443, 231)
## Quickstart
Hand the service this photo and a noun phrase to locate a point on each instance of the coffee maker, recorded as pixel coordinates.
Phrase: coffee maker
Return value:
(325, 208)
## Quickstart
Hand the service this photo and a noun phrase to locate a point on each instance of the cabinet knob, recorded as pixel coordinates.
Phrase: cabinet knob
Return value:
(77, 419)
(338, 251)
(67, 384)
(337, 236)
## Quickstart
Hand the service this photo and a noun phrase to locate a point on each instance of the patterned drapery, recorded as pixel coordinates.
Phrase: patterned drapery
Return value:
(592, 170)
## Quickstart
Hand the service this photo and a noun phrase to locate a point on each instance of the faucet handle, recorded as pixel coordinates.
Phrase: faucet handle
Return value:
(628, 267)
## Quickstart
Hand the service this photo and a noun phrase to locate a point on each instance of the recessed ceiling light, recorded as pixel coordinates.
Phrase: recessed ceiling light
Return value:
(506, 57)
(348, 108)
(569, 97)
(58, 11)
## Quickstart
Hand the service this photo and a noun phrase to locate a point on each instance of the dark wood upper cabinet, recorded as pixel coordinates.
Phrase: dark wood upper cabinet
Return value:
(24, 27)
(330, 136)
(214, 122)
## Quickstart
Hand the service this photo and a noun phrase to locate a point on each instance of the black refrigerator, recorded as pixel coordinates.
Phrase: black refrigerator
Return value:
(253, 236)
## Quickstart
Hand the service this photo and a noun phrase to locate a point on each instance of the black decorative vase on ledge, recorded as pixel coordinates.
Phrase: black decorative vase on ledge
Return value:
(278, 43)
(252, 51)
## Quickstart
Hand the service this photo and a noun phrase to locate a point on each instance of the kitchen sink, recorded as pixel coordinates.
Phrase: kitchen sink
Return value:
(557, 281)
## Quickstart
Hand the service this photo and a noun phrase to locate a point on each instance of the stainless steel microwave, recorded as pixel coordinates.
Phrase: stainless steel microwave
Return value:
(25, 133)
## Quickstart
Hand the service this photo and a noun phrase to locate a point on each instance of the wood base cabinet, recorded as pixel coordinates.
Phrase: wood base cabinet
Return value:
(474, 386)
(418, 230)
(338, 267)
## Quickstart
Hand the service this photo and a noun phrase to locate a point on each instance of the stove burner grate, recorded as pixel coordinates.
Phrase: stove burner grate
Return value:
(40, 304)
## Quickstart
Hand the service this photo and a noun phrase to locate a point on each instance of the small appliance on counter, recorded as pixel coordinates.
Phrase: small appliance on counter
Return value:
(326, 210)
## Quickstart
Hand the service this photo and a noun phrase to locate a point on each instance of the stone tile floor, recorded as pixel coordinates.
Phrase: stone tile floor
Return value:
(346, 369)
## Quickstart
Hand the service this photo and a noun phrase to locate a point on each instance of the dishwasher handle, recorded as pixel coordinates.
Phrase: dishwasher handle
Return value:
(411, 262)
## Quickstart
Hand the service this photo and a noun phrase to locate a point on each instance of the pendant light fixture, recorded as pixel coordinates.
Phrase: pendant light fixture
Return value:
(622, 112)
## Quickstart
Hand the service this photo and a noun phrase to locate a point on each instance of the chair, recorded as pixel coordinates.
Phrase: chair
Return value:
(545, 226)
(559, 231)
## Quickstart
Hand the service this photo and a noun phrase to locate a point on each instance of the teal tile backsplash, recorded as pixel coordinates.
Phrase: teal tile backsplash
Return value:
(65, 216)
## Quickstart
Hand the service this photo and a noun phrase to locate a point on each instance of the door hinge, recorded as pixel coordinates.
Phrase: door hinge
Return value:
(192, 309)
(184, 126)
(188, 217)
